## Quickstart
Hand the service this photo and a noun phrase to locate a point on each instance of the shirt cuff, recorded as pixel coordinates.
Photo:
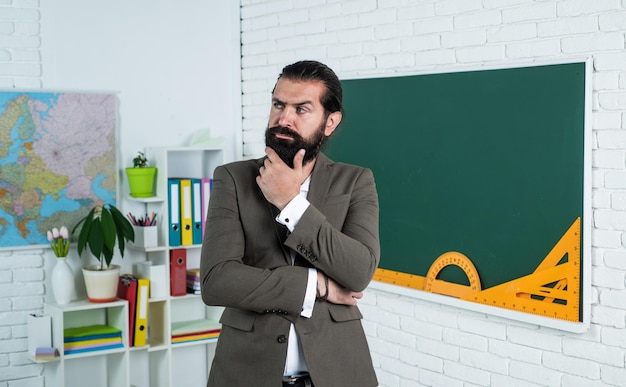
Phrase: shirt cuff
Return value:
(309, 297)
(293, 211)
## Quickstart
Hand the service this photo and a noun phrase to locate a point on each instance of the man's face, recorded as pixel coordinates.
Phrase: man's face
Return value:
(298, 120)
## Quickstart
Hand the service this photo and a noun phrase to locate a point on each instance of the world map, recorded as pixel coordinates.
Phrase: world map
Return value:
(57, 160)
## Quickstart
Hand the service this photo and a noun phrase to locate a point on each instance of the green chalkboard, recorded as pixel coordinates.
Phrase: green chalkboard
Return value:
(489, 163)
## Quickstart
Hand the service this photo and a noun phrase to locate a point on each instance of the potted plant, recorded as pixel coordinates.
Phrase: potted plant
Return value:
(100, 230)
(141, 177)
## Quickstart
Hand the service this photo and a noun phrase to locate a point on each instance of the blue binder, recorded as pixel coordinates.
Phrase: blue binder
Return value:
(196, 208)
(173, 189)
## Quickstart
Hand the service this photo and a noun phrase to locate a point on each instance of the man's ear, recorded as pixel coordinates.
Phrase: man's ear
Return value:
(332, 122)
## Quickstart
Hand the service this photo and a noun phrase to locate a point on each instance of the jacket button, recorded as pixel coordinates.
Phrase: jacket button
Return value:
(282, 339)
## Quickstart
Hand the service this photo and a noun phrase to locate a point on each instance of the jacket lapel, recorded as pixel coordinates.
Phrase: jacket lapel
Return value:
(280, 232)
(320, 182)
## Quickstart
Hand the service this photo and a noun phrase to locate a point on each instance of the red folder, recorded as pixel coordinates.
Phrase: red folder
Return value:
(127, 290)
(178, 272)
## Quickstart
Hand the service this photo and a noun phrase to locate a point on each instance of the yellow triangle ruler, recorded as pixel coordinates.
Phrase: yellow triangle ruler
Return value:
(552, 290)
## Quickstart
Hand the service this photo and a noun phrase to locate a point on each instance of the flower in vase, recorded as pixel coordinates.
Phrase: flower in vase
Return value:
(59, 241)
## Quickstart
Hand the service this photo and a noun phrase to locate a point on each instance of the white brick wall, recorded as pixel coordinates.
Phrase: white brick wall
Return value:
(418, 343)
(21, 292)
(21, 273)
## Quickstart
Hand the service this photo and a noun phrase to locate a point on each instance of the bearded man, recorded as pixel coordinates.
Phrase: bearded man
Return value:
(291, 242)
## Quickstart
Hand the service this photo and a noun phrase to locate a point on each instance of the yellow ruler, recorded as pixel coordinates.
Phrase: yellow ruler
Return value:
(398, 278)
(552, 290)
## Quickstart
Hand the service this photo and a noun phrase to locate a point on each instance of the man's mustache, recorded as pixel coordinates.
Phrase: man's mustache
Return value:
(284, 130)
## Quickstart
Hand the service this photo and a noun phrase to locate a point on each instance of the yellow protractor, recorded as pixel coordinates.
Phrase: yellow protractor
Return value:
(434, 285)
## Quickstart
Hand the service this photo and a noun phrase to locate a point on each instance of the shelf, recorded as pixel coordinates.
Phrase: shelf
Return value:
(157, 348)
(104, 352)
(160, 362)
(82, 305)
(186, 247)
(152, 199)
(147, 249)
(194, 343)
(162, 248)
(32, 358)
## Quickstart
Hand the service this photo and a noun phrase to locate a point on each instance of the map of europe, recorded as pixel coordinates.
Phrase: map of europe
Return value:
(57, 160)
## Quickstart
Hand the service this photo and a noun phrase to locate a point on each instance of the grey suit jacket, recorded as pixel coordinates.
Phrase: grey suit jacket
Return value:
(246, 267)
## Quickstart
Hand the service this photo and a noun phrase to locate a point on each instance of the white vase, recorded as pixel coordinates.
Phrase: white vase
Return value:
(62, 281)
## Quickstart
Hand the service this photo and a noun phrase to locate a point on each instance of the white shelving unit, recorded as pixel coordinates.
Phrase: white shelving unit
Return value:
(160, 363)
(106, 367)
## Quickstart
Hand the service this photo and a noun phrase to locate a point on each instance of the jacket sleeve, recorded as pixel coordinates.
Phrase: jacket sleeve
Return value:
(228, 273)
(343, 241)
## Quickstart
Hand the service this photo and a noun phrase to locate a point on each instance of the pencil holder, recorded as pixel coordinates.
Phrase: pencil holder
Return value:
(146, 236)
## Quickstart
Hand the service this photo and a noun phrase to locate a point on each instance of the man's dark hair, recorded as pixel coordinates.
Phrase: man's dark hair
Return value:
(310, 70)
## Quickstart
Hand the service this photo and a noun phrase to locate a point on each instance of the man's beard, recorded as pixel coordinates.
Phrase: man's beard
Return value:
(287, 149)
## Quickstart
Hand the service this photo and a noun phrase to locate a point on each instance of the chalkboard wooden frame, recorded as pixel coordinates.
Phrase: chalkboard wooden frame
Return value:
(447, 150)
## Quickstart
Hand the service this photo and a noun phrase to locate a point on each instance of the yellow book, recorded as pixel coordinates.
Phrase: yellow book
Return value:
(203, 336)
(187, 327)
(80, 343)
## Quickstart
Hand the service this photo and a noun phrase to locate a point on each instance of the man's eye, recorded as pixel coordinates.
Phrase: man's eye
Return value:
(278, 105)
(301, 110)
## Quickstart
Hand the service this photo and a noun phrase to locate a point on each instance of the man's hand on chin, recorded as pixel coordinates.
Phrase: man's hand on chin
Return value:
(279, 183)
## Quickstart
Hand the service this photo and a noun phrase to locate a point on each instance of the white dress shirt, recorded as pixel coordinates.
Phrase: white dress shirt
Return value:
(289, 217)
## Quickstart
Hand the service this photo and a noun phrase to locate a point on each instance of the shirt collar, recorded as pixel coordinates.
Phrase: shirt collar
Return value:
(305, 185)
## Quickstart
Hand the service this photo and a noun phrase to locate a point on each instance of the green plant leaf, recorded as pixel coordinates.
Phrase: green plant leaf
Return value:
(124, 229)
(108, 228)
(84, 231)
(109, 233)
(108, 255)
(95, 238)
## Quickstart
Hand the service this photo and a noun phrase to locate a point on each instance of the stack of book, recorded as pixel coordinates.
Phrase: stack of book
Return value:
(193, 281)
(91, 338)
(195, 330)
(46, 353)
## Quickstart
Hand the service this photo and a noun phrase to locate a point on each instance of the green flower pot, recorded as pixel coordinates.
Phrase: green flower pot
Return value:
(141, 181)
